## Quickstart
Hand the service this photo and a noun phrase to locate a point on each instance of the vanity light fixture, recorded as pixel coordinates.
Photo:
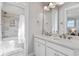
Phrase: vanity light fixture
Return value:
(73, 29)
(51, 5)
(46, 8)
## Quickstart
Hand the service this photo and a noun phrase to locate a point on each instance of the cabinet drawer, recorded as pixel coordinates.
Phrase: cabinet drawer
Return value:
(59, 48)
(36, 39)
(59, 54)
(51, 52)
(39, 40)
(39, 47)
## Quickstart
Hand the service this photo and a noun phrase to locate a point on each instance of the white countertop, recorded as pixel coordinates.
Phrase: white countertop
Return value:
(71, 44)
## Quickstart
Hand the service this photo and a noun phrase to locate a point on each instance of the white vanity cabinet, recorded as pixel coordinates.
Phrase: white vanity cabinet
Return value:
(52, 50)
(43, 48)
(49, 47)
(39, 47)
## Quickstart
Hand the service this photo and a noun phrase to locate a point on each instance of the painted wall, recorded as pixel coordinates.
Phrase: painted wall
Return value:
(0, 21)
(35, 19)
(77, 24)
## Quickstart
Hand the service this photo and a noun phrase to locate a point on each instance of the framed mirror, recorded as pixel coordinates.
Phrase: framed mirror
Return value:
(72, 20)
(50, 21)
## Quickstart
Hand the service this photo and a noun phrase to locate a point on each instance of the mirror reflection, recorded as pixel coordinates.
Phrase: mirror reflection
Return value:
(73, 21)
(51, 22)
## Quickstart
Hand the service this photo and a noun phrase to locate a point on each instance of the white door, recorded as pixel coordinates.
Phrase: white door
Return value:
(41, 49)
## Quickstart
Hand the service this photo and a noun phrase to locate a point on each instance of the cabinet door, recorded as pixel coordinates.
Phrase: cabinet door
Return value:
(41, 49)
(50, 52)
(36, 47)
(59, 54)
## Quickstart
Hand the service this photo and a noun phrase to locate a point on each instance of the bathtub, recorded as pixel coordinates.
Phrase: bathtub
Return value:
(10, 47)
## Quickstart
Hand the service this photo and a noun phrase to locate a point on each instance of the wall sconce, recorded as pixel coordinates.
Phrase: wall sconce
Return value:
(51, 5)
(73, 29)
(46, 8)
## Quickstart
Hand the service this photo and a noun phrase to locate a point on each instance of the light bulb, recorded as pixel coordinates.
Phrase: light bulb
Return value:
(51, 5)
(46, 8)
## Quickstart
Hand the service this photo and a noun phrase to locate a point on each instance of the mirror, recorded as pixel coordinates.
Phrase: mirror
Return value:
(72, 17)
(51, 21)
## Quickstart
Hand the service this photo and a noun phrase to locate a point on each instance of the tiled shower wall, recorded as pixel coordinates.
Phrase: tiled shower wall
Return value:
(9, 25)
(10, 18)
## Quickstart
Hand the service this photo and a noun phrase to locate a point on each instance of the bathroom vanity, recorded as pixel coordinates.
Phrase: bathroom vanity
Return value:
(55, 46)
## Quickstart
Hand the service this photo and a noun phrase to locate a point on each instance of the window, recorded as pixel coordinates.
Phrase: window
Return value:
(71, 23)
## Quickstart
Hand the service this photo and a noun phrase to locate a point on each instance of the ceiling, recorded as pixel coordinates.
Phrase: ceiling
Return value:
(45, 3)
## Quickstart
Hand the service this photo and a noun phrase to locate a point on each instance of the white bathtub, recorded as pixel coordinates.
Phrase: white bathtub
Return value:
(10, 47)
